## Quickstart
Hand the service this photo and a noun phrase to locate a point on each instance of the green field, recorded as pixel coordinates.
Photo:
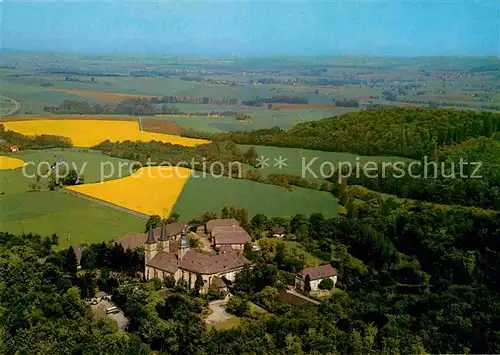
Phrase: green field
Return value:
(212, 194)
(259, 118)
(297, 158)
(75, 220)
(83, 160)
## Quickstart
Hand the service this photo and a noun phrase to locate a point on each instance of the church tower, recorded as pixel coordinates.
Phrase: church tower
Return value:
(163, 242)
(150, 247)
(183, 247)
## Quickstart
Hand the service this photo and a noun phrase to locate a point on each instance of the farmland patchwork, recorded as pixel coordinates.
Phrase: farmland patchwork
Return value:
(87, 133)
(150, 191)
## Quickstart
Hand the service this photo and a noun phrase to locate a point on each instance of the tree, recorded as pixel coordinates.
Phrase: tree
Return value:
(181, 286)
(169, 281)
(238, 306)
(250, 156)
(153, 222)
(259, 222)
(174, 217)
(89, 258)
(299, 225)
(316, 225)
(326, 284)
(72, 178)
(225, 212)
(207, 216)
(307, 284)
(69, 261)
(198, 284)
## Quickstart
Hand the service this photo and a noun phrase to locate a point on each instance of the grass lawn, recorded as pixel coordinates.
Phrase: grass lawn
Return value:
(83, 160)
(295, 248)
(230, 323)
(212, 194)
(75, 220)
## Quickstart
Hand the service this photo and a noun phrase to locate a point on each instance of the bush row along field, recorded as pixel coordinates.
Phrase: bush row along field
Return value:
(87, 133)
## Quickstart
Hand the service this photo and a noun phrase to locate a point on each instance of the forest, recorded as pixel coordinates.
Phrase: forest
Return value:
(476, 183)
(414, 278)
(406, 132)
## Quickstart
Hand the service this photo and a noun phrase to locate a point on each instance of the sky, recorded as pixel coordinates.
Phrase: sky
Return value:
(257, 28)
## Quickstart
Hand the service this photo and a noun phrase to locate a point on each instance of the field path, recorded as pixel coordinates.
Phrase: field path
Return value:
(107, 204)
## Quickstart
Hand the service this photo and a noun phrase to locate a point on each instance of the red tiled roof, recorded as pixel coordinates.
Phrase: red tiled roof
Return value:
(218, 282)
(172, 229)
(204, 264)
(132, 240)
(230, 235)
(318, 272)
(197, 262)
(277, 230)
(164, 261)
(228, 222)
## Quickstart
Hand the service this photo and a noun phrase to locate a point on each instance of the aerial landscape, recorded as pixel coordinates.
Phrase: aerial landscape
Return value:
(274, 183)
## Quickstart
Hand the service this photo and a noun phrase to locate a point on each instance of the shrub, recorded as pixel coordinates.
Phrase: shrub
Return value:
(326, 284)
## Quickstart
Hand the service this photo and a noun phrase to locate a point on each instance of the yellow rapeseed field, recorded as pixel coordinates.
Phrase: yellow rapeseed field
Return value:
(7, 163)
(150, 190)
(87, 133)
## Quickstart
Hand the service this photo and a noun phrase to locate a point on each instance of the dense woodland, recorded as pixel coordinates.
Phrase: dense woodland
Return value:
(44, 141)
(441, 181)
(414, 278)
(406, 132)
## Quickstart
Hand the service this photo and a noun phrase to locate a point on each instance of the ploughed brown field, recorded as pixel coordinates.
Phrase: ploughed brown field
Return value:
(161, 126)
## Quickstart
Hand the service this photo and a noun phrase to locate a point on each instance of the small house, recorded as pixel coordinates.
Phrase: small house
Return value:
(316, 275)
(235, 236)
(278, 232)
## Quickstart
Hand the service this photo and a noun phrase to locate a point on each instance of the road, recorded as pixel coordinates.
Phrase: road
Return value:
(16, 106)
(219, 313)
